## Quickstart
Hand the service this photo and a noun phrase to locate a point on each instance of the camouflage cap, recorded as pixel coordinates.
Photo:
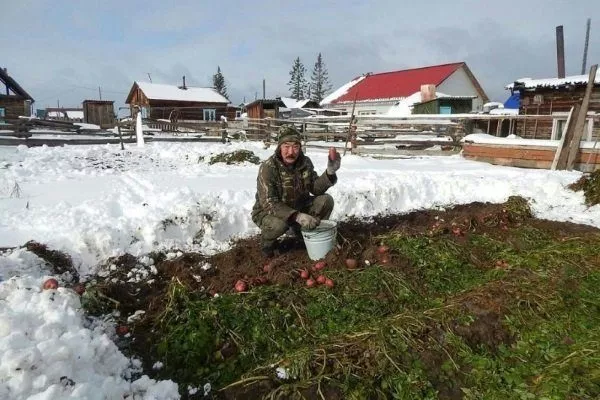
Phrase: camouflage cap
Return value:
(288, 133)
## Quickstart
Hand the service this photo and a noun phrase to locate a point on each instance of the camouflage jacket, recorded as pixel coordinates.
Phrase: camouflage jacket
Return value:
(283, 190)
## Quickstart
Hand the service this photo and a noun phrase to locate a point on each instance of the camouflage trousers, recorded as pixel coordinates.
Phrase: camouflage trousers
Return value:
(272, 227)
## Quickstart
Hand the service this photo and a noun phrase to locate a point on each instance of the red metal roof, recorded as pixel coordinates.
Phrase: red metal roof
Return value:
(397, 84)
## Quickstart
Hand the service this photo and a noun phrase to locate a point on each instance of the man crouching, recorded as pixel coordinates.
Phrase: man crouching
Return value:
(289, 192)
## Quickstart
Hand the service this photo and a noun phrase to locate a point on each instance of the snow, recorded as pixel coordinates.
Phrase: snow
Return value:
(342, 90)
(293, 103)
(519, 141)
(504, 111)
(157, 91)
(403, 108)
(94, 202)
(72, 114)
(87, 127)
(554, 82)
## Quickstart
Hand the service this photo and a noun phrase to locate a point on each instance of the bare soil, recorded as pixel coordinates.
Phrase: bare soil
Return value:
(357, 239)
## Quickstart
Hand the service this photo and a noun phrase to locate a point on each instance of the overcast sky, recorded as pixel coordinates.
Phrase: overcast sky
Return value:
(64, 50)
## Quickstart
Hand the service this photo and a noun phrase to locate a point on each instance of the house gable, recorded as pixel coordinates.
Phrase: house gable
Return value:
(13, 87)
(463, 83)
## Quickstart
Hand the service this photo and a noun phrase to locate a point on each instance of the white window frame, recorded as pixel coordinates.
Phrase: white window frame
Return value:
(557, 117)
(211, 112)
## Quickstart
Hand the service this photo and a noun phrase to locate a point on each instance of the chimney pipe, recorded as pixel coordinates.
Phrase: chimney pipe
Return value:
(184, 87)
(560, 51)
(585, 45)
(264, 89)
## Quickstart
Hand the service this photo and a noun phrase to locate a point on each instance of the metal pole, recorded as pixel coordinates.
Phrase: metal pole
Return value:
(585, 46)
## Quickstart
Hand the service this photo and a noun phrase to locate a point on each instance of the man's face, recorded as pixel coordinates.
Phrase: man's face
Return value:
(289, 152)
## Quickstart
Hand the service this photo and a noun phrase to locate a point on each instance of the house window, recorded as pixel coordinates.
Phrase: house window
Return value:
(2, 114)
(538, 99)
(367, 112)
(445, 110)
(559, 123)
(209, 114)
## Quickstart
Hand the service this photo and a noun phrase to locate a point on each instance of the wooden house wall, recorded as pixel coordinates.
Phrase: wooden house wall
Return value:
(552, 101)
(187, 110)
(260, 110)
(433, 107)
(138, 98)
(459, 106)
(254, 111)
(14, 106)
(430, 107)
(101, 113)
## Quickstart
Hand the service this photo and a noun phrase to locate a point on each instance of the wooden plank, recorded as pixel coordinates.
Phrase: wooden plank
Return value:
(561, 143)
(561, 163)
(581, 117)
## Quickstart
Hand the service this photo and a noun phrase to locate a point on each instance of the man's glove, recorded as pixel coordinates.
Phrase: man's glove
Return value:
(334, 165)
(307, 221)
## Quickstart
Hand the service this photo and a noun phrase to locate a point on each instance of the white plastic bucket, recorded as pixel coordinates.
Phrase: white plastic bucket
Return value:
(320, 240)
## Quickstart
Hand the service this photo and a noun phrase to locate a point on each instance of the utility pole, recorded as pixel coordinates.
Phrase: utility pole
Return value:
(585, 46)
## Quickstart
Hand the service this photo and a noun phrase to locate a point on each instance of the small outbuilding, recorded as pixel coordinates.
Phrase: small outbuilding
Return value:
(14, 100)
(99, 112)
(445, 105)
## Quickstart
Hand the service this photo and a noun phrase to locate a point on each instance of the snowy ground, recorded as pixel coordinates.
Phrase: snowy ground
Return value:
(94, 202)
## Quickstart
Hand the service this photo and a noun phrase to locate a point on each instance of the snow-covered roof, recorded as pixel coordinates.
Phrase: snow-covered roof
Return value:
(404, 106)
(293, 103)
(341, 90)
(301, 103)
(158, 91)
(74, 114)
(504, 111)
(529, 83)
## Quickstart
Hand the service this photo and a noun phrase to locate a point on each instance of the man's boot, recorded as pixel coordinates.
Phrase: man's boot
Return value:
(268, 248)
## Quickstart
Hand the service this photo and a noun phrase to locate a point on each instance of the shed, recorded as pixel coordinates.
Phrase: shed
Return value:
(99, 112)
(261, 109)
(445, 105)
(14, 100)
(264, 108)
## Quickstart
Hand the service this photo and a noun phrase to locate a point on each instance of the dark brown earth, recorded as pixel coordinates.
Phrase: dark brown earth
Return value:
(356, 239)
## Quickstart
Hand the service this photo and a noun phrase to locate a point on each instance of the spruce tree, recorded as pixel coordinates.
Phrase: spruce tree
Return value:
(297, 83)
(219, 83)
(319, 80)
